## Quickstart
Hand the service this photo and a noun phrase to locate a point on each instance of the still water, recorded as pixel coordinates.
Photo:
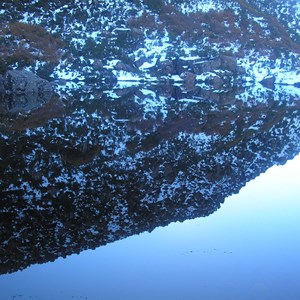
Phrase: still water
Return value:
(89, 169)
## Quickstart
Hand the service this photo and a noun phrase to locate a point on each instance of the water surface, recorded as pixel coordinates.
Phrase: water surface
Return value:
(91, 168)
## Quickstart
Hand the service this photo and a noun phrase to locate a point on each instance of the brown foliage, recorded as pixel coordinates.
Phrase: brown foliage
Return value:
(26, 43)
(144, 21)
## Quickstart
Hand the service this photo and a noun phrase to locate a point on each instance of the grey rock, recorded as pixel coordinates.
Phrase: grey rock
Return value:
(268, 82)
(223, 62)
(166, 68)
(229, 63)
(138, 63)
(216, 82)
(120, 66)
(22, 82)
(98, 65)
(23, 91)
(297, 84)
(189, 80)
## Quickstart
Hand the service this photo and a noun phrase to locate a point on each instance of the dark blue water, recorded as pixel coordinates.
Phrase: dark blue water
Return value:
(109, 173)
(247, 250)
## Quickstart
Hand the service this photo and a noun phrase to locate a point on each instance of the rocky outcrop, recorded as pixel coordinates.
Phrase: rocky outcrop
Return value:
(225, 63)
(23, 91)
(34, 118)
(297, 84)
(144, 40)
(124, 67)
(189, 80)
(198, 66)
(269, 82)
(165, 67)
(81, 156)
(21, 82)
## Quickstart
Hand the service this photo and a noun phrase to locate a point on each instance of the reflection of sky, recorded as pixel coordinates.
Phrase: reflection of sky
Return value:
(248, 249)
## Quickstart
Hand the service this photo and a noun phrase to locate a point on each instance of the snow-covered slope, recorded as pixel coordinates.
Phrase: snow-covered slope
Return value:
(286, 12)
(143, 40)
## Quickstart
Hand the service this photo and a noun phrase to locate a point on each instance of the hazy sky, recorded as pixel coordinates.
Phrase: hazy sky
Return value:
(248, 249)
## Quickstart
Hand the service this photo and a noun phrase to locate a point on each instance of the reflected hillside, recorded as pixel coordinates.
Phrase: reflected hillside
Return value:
(91, 167)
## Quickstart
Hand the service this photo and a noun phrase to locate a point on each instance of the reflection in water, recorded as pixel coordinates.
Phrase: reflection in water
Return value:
(88, 169)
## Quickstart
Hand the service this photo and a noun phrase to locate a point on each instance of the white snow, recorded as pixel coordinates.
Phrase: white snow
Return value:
(176, 78)
(190, 58)
(5, 137)
(111, 64)
(111, 94)
(113, 227)
(188, 100)
(69, 74)
(45, 181)
(147, 65)
(93, 230)
(126, 76)
(149, 93)
(260, 21)
(287, 90)
(287, 77)
(201, 5)
(153, 105)
(155, 47)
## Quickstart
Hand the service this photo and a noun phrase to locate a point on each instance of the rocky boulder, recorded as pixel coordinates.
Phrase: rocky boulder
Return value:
(216, 82)
(22, 82)
(297, 84)
(189, 80)
(23, 91)
(229, 63)
(120, 66)
(36, 118)
(268, 82)
(223, 62)
(166, 67)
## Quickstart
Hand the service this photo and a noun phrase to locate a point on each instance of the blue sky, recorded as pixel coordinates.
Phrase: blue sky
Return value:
(248, 249)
